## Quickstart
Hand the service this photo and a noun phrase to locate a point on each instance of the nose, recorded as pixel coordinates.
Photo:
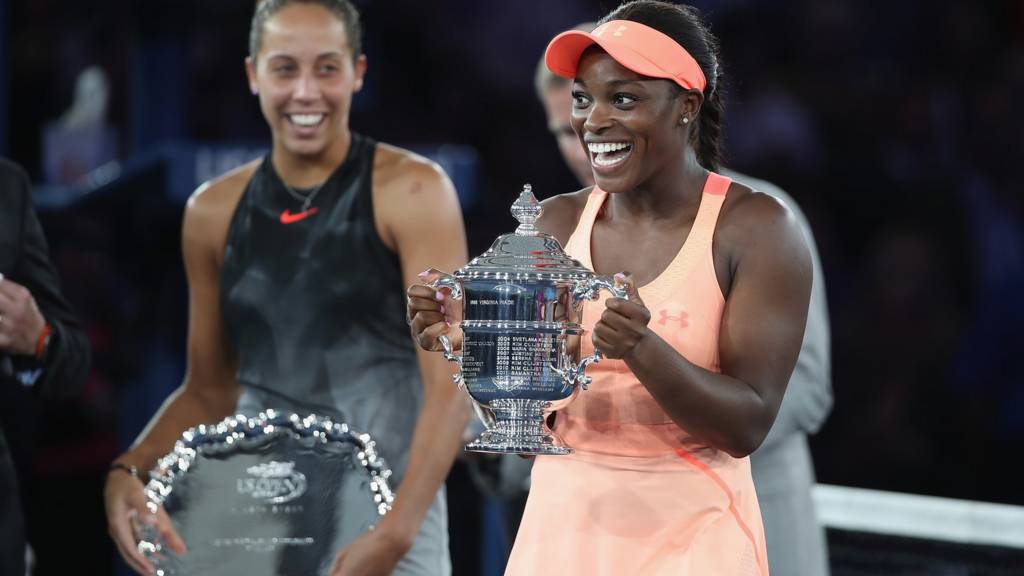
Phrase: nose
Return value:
(307, 87)
(598, 119)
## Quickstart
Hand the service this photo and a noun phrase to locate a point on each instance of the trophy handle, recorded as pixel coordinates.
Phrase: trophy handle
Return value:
(451, 356)
(445, 280)
(588, 289)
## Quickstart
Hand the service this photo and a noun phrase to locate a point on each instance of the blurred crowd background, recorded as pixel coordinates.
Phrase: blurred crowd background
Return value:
(896, 125)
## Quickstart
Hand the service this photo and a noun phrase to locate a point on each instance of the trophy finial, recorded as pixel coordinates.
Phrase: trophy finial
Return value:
(526, 209)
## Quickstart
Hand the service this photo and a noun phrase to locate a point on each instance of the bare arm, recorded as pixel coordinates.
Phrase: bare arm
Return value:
(209, 392)
(762, 327)
(428, 232)
(419, 217)
(808, 398)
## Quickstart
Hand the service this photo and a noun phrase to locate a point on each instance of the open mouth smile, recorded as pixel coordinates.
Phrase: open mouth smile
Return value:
(605, 155)
(305, 120)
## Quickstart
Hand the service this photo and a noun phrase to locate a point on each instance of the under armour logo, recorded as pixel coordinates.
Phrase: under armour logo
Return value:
(682, 318)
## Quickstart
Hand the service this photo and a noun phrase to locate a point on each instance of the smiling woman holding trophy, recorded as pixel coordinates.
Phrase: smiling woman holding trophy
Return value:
(296, 266)
(698, 352)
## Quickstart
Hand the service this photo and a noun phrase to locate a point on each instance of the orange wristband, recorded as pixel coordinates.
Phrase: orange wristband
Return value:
(44, 338)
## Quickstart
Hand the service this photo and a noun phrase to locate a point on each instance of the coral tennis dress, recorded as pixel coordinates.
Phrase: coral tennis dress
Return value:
(640, 495)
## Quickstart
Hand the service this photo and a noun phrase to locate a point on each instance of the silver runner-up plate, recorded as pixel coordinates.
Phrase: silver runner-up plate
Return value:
(274, 495)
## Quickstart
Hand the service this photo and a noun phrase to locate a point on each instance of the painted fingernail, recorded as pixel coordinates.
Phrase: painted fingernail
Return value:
(424, 274)
(448, 323)
(442, 309)
(620, 276)
(439, 296)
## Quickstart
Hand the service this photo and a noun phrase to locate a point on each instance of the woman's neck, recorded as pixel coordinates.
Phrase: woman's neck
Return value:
(675, 188)
(306, 171)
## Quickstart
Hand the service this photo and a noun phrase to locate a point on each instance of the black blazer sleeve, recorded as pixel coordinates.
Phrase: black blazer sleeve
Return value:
(67, 359)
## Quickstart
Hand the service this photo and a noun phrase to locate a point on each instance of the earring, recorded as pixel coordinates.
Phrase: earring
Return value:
(685, 119)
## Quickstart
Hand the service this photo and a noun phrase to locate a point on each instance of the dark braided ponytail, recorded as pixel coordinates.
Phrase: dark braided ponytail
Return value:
(685, 25)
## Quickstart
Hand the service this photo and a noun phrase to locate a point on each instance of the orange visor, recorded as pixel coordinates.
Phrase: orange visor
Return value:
(640, 48)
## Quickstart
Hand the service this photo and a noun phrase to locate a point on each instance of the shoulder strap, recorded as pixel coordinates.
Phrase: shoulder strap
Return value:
(578, 245)
(698, 242)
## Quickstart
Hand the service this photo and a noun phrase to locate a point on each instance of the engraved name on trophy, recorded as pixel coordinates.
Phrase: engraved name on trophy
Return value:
(275, 495)
(522, 307)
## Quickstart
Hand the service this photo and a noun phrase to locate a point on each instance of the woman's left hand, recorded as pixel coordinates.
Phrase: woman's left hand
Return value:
(624, 322)
(372, 554)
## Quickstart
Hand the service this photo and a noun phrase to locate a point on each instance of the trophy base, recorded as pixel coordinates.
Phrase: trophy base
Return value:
(519, 428)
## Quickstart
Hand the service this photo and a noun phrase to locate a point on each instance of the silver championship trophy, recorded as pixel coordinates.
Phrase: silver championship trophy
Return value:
(522, 304)
(275, 495)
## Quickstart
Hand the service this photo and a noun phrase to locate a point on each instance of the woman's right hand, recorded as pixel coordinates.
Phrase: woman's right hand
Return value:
(126, 511)
(429, 311)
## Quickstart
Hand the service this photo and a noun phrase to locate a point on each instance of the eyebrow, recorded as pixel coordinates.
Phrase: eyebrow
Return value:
(331, 54)
(616, 83)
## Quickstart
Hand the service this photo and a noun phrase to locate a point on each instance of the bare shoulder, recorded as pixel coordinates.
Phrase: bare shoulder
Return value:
(562, 213)
(209, 209)
(747, 210)
(410, 191)
(396, 169)
(755, 222)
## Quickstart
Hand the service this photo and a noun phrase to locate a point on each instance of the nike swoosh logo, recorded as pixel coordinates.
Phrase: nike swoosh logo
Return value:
(289, 218)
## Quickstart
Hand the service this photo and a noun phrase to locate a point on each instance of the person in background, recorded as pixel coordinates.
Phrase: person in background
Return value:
(296, 266)
(782, 467)
(44, 352)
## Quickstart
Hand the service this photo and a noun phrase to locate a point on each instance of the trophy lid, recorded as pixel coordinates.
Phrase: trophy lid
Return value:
(527, 253)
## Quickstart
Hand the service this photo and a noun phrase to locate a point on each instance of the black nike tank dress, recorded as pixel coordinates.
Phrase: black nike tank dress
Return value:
(315, 305)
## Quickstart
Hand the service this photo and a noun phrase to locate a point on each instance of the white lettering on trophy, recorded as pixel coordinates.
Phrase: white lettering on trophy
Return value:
(274, 482)
(260, 509)
(520, 360)
(262, 544)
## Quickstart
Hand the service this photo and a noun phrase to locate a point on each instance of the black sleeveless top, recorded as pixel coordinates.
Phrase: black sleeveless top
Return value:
(315, 305)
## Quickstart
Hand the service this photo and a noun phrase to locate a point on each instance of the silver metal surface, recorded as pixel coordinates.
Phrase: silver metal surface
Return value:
(522, 328)
(528, 254)
(519, 428)
(274, 495)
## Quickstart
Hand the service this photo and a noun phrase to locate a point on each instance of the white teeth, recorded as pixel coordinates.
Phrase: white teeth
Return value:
(604, 162)
(603, 147)
(306, 119)
(601, 150)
